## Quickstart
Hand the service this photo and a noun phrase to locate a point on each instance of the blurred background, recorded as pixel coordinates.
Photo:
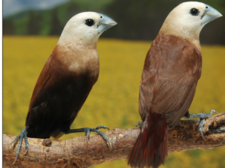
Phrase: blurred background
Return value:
(31, 29)
(137, 20)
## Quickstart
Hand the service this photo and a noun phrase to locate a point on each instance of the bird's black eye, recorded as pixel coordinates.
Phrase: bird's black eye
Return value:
(89, 22)
(194, 11)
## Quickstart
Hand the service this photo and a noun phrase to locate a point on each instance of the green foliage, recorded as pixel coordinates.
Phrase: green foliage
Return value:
(44, 24)
(62, 13)
(113, 100)
(136, 21)
(92, 5)
(21, 25)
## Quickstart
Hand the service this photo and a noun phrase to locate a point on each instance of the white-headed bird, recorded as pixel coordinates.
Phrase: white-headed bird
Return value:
(66, 79)
(171, 71)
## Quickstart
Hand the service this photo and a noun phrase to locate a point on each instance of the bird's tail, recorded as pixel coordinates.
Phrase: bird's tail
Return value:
(150, 148)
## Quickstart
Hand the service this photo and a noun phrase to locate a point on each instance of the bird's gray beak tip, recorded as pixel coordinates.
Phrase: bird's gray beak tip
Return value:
(219, 14)
(105, 23)
(114, 24)
(210, 15)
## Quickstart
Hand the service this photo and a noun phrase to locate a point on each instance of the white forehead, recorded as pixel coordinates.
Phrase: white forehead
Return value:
(81, 17)
(186, 6)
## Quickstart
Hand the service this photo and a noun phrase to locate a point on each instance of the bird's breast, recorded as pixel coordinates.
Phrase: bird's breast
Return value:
(80, 61)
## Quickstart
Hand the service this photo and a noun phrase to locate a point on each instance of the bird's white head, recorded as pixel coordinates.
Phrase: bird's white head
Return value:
(187, 19)
(85, 28)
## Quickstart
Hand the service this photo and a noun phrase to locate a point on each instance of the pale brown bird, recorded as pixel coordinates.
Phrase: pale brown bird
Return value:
(66, 79)
(171, 71)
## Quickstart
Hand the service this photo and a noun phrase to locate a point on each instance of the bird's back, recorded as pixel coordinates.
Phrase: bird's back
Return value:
(171, 71)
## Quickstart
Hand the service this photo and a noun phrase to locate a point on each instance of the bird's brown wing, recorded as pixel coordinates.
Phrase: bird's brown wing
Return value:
(57, 97)
(41, 109)
(171, 71)
(43, 79)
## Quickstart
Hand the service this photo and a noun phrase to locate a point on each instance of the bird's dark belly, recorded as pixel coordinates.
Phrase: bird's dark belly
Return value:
(58, 111)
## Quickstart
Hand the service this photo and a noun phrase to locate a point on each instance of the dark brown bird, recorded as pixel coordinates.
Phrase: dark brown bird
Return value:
(171, 71)
(66, 79)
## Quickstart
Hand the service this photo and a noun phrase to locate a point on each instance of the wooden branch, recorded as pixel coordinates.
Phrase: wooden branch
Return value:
(79, 152)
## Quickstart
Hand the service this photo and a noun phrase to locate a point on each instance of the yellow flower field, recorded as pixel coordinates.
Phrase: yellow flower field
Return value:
(114, 99)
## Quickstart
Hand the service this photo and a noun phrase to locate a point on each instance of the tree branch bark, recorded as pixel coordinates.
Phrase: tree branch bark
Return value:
(80, 152)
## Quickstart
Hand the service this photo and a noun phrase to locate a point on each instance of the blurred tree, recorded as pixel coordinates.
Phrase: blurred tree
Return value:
(143, 20)
(56, 28)
(44, 24)
(20, 25)
(136, 20)
(8, 27)
(33, 26)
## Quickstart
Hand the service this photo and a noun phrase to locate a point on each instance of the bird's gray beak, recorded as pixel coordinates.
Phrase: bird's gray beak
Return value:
(105, 23)
(210, 15)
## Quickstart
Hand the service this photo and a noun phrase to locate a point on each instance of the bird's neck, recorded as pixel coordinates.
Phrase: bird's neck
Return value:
(176, 30)
(78, 59)
(73, 44)
(77, 39)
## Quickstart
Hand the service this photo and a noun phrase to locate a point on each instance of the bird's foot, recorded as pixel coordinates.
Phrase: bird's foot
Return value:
(202, 116)
(88, 130)
(21, 136)
(139, 124)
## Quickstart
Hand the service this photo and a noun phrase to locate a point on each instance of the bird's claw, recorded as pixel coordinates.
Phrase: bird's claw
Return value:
(202, 117)
(212, 111)
(88, 130)
(201, 128)
(99, 127)
(139, 124)
(21, 136)
(202, 121)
